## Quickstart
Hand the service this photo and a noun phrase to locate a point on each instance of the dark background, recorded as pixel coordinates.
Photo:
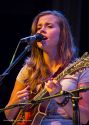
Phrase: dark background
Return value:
(15, 23)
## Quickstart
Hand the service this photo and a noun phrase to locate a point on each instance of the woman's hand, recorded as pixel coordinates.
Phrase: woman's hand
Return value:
(19, 95)
(53, 86)
(23, 95)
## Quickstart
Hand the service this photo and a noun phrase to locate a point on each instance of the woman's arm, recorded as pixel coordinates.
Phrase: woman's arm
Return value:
(19, 92)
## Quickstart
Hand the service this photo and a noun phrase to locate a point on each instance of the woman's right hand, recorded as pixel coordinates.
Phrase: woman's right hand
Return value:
(19, 95)
(23, 95)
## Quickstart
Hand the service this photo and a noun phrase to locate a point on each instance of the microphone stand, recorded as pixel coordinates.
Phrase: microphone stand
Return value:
(76, 112)
(69, 94)
(6, 72)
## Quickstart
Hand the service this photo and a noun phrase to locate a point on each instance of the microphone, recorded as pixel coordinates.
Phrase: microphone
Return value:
(30, 39)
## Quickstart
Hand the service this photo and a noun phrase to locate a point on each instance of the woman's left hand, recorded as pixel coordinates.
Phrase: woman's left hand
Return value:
(53, 86)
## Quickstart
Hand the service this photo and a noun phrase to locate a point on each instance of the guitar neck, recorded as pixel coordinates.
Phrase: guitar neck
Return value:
(41, 94)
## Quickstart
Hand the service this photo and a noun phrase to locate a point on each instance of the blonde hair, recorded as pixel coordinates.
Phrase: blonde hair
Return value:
(66, 48)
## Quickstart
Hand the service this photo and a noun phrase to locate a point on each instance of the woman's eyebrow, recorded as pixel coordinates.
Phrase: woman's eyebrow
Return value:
(45, 24)
(39, 25)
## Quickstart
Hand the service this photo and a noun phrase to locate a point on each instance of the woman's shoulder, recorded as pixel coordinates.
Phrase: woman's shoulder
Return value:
(23, 73)
(84, 72)
(84, 75)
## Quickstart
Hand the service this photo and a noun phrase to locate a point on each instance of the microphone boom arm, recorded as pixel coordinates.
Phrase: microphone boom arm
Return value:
(6, 72)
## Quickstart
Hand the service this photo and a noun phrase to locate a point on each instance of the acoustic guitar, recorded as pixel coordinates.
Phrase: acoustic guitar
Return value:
(37, 111)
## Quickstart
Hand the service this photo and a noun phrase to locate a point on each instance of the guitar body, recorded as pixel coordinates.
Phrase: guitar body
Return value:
(32, 117)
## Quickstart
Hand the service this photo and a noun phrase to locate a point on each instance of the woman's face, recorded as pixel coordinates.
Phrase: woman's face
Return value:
(48, 25)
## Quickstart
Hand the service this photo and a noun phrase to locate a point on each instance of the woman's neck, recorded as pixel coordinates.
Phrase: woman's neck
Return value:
(52, 60)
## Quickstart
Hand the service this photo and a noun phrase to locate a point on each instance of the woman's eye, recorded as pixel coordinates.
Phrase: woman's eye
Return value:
(38, 28)
(50, 26)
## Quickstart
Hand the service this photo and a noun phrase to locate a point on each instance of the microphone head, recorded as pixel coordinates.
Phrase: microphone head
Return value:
(40, 37)
(31, 39)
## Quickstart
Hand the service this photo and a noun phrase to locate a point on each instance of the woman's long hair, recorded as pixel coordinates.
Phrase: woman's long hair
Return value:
(66, 48)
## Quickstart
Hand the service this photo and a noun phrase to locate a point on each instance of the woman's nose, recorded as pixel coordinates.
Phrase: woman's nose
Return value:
(42, 30)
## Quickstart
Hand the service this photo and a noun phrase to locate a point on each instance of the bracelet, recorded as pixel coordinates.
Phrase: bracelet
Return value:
(64, 102)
